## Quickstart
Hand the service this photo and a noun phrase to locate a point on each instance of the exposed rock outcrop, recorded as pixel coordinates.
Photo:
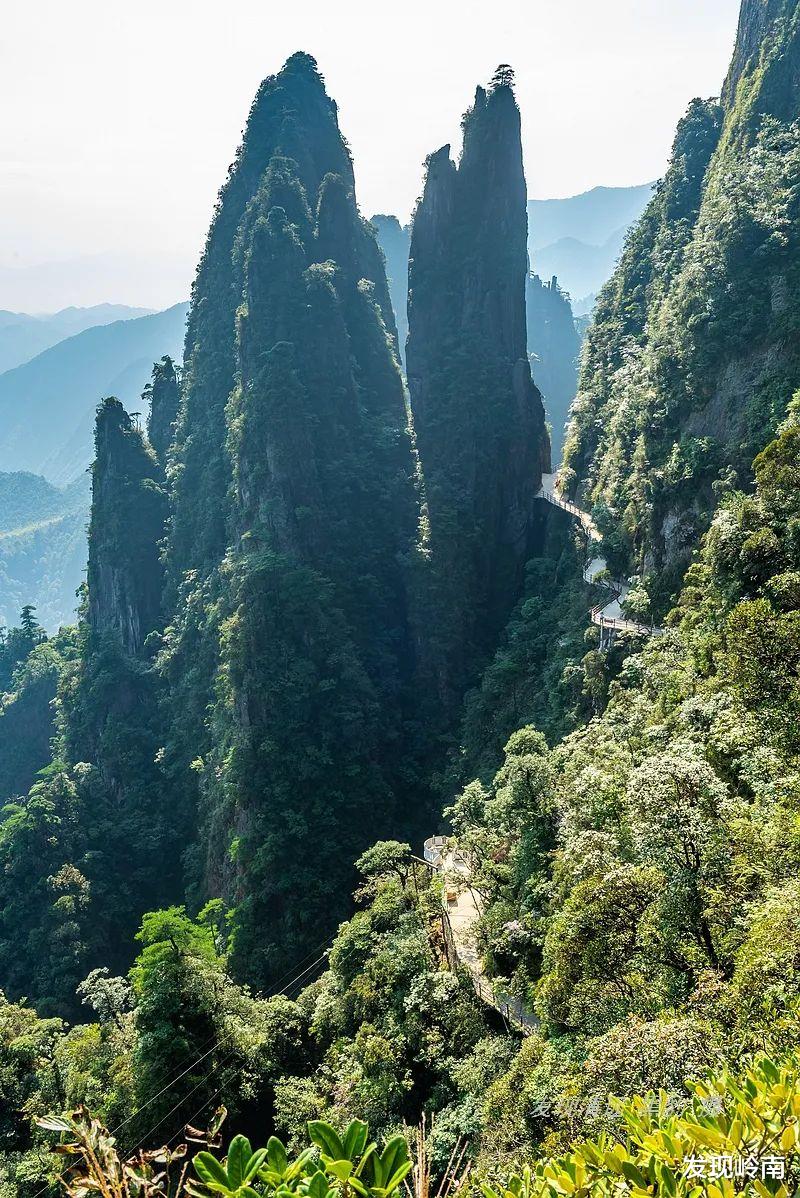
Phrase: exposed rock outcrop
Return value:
(127, 522)
(163, 395)
(478, 417)
(755, 19)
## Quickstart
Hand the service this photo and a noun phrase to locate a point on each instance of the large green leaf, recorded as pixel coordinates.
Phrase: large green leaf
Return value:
(341, 1169)
(208, 1169)
(355, 1139)
(318, 1186)
(323, 1135)
(277, 1157)
(239, 1155)
(394, 1181)
(254, 1164)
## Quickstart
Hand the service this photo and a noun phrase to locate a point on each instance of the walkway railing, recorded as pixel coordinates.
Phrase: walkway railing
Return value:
(619, 623)
(587, 523)
(606, 624)
(466, 955)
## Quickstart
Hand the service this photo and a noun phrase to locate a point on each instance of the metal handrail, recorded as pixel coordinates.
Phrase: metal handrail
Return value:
(613, 585)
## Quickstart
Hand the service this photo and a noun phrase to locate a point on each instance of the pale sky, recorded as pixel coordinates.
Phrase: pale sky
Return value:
(120, 118)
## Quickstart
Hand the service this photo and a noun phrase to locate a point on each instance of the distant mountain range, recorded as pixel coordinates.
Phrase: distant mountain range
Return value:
(42, 546)
(580, 238)
(47, 410)
(147, 277)
(47, 405)
(23, 336)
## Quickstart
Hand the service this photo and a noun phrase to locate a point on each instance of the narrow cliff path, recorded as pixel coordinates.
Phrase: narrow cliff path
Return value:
(608, 617)
(461, 912)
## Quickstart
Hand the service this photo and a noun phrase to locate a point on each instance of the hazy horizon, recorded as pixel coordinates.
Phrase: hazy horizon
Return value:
(112, 163)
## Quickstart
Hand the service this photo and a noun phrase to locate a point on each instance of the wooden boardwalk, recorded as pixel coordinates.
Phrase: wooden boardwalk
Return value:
(608, 617)
(460, 919)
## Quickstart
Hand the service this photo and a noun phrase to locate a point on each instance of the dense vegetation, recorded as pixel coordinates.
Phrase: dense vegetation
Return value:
(292, 582)
(692, 355)
(747, 1119)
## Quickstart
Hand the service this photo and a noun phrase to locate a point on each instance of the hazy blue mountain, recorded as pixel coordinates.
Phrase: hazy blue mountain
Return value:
(395, 240)
(47, 406)
(581, 268)
(580, 238)
(27, 498)
(42, 546)
(592, 217)
(23, 336)
(553, 347)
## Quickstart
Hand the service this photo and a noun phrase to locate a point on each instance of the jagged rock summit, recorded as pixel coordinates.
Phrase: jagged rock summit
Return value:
(129, 509)
(291, 144)
(294, 507)
(478, 417)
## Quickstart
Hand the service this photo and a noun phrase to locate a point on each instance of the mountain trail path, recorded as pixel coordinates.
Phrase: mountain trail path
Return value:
(461, 914)
(608, 617)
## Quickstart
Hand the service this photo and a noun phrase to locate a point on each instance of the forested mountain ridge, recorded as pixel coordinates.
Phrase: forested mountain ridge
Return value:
(693, 350)
(554, 345)
(294, 505)
(26, 498)
(43, 551)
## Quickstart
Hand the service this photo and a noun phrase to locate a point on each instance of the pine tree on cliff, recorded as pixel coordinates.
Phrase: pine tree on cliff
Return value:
(163, 395)
(294, 507)
(478, 418)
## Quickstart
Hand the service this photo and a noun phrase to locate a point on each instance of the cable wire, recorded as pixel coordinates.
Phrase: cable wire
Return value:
(289, 985)
(221, 1040)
